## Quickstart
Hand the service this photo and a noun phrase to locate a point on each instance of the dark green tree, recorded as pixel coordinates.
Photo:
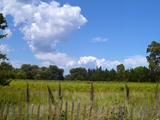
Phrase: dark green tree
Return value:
(112, 75)
(3, 25)
(78, 73)
(120, 68)
(98, 75)
(26, 69)
(154, 60)
(142, 74)
(4, 76)
(55, 73)
(121, 72)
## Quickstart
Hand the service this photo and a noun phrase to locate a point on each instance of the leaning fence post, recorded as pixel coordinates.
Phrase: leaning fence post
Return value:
(156, 93)
(59, 92)
(127, 92)
(50, 99)
(27, 93)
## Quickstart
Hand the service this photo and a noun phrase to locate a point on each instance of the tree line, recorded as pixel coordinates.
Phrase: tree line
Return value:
(33, 72)
(138, 74)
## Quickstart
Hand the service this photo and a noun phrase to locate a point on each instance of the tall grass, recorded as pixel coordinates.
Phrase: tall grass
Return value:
(104, 93)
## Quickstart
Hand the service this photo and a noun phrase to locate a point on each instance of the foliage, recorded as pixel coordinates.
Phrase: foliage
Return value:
(78, 73)
(138, 74)
(3, 24)
(4, 78)
(28, 71)
(154, 59)
(6, 73)
(5, 68)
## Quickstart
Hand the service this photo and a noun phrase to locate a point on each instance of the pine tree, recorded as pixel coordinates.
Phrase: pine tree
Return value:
(3, 74)
(3, 24)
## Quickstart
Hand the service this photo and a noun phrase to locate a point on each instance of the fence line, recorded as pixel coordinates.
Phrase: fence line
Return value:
(65, 111)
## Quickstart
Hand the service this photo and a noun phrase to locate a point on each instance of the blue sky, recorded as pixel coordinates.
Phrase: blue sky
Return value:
(80, 33)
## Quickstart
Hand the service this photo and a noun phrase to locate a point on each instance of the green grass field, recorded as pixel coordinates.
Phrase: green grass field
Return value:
(105, 93)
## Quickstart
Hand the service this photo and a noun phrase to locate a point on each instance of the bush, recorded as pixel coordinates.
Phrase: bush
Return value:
(5, 76)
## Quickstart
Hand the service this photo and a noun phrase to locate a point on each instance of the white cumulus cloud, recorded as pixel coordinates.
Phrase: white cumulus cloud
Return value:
(59, 59)
(92, 62)
(135, 61)
(64, 61)
(130, 62)
(43, 24)
(99, 39)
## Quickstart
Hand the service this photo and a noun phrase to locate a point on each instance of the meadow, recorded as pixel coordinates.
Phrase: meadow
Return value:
(105, 93)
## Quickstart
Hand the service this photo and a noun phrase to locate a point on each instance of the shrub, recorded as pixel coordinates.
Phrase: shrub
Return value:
(4, 77)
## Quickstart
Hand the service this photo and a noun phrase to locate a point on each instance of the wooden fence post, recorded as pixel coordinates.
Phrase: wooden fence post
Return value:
(13, 112)
(91, 95)
(38, 111)
(127, 92)
(66, 111)
(77, 113)
(72, 111)
(157, 93)
(27, 93)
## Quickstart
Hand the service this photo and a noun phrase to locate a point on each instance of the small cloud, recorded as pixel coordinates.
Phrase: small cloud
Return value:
(4, 49)
(99, 39)
(8, 32)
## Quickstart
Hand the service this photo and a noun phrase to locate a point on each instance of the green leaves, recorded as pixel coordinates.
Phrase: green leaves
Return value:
(3, 24)
(154, 57)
